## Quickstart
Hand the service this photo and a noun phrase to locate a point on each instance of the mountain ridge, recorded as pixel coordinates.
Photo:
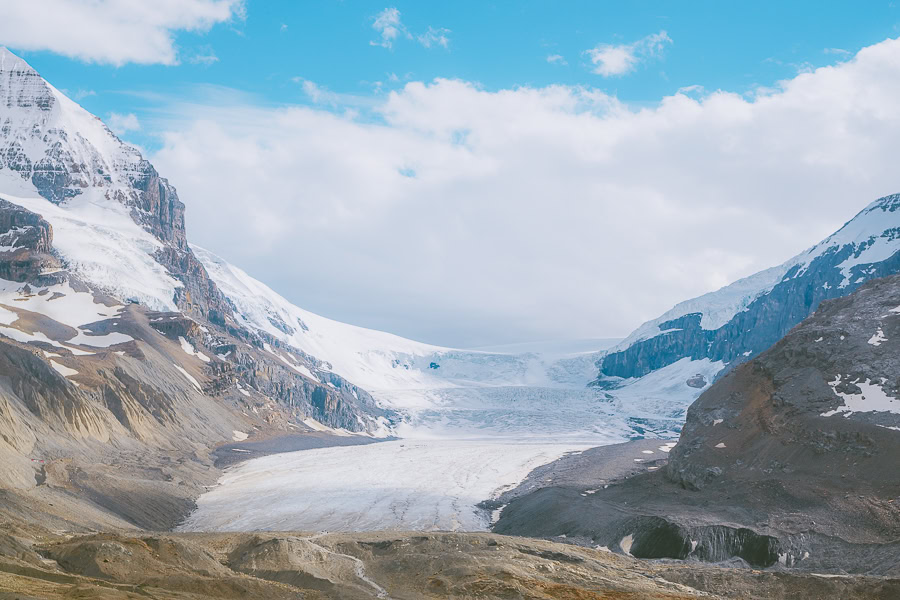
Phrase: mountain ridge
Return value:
(743, 319)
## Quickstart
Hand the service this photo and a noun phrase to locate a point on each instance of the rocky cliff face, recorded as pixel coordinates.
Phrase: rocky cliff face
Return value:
(742, 320)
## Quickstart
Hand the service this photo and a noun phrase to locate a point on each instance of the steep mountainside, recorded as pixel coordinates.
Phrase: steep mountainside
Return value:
(743, 319)
(789, 458)
(121, 363)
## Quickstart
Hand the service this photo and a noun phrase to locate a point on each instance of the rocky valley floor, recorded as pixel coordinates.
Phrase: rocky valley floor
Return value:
(38, 564)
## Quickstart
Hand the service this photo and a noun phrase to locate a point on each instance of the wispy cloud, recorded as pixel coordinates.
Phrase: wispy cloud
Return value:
(435, 37)
(391, 28)
(611, 60)
(203, 56)
(556, 59)
(122, 124)
(838, 51)
(388, 24)
(324, 97)
(82, 94)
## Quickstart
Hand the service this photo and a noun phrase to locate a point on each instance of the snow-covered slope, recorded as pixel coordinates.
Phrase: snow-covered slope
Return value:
(372, 359)
(100, 242)
(80, 208)
(746, 317)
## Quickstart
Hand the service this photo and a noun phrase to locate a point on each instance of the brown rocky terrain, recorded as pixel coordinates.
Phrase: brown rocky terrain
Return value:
(788, 460)
(41, 564)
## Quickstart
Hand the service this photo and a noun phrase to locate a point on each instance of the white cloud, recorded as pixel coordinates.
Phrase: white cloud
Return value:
(557, 59)
(122, 124)
(612, 60)
(82, 94)
(460, 215)
(110, 31)
(388, 24)
(435, 37)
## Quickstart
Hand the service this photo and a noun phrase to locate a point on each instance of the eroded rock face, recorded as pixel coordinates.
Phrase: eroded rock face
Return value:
(819, 404)
(25, 243)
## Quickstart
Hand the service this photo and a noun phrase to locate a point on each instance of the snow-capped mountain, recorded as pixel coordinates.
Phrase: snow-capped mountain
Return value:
(111, 222)
(84, 215)
(119, 224)
(741, 320)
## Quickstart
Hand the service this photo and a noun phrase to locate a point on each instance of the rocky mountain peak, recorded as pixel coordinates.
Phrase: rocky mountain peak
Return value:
(52, 147)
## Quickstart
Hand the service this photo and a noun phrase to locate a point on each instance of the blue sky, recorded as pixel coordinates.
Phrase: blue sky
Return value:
(480, 173)
(717, 45)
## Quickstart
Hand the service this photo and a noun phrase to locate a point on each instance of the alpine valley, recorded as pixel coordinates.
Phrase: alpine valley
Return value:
(163, 414)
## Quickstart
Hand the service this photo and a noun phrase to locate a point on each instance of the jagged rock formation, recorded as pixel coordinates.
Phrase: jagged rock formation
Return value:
(52, 146)
(789, 458)
(747, 317)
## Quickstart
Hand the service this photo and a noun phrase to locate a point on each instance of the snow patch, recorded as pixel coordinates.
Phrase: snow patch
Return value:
(872, 398)
(63, 369)
(878, 338)
(190, 350)
(189, 377)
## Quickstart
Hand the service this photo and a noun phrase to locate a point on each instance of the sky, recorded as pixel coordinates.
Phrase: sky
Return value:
(480, 173)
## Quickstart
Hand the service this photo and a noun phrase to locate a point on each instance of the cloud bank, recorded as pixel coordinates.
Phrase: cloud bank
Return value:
(462, 216)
